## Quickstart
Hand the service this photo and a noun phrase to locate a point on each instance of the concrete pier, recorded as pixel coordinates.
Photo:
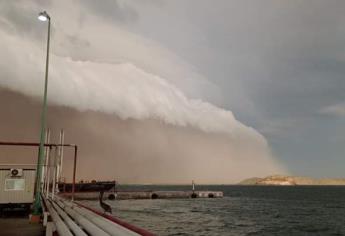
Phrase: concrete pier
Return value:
(124, 195)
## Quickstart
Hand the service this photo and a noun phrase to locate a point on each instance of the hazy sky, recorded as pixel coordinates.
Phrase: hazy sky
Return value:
(277, 66)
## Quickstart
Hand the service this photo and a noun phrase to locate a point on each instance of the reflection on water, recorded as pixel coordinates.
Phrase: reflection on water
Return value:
(256, 210)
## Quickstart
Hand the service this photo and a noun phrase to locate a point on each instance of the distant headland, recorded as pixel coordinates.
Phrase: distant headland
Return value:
(291, 180)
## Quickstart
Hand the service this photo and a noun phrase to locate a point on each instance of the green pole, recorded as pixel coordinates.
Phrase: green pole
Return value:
(37, 203)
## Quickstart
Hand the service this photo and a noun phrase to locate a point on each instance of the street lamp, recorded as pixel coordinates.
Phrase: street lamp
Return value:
(42, 16)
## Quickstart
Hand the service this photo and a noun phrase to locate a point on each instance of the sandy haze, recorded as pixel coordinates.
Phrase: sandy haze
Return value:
(132, 151)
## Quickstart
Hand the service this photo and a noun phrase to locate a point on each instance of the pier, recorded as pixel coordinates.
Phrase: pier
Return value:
(126, 195)
(61, 213)
(59, 216)
(67, 218)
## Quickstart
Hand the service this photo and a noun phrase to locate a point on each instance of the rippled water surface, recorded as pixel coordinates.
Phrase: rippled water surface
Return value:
(245, 210)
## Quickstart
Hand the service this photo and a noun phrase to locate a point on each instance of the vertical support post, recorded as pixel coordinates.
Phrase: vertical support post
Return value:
(74, 170)
(54, 171)
(58, 158)
(48, 172)
(60, 164)
(44, 164)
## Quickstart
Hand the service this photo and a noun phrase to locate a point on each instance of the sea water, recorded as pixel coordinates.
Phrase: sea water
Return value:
(244, 210)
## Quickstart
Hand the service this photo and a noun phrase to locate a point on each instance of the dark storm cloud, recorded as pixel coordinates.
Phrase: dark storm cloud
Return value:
(257, 51)
(279, 64)
(278, 49)
(16, 17)
(303, 91)
(112, 9)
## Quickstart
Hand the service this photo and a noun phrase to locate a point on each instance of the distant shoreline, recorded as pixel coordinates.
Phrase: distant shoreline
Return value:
(282, 180)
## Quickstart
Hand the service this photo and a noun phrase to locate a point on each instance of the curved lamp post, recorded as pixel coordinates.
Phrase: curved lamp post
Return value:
(43, 16)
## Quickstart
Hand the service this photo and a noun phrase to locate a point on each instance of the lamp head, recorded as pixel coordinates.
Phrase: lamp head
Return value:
(43, 16)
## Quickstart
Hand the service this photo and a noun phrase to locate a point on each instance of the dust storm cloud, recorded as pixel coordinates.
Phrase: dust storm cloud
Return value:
(139, 112)
(132, 151)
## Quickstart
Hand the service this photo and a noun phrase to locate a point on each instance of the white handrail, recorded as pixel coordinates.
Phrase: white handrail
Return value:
(105, 224)
(60, 225)
(82, 222)
(71, 224)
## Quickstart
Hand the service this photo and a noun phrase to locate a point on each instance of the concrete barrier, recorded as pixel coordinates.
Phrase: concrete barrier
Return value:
(125, 195)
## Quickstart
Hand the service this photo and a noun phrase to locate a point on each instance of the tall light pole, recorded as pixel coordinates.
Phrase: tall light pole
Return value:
(43, 16)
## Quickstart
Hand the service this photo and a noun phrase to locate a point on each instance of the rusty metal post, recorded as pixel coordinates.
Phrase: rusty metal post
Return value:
(74, 170)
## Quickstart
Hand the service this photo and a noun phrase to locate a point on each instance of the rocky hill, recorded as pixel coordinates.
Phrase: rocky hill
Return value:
(291, 180)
